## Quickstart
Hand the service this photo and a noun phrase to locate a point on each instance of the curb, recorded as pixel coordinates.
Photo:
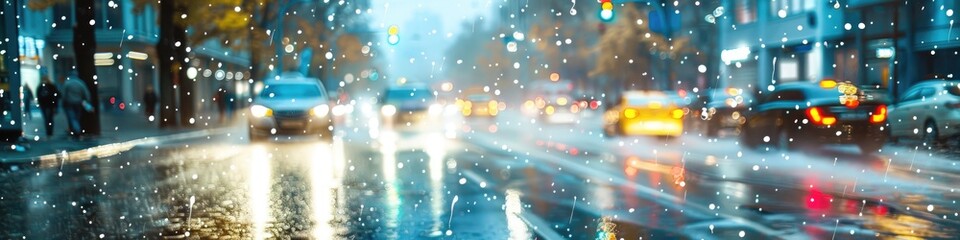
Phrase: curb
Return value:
(105, 150)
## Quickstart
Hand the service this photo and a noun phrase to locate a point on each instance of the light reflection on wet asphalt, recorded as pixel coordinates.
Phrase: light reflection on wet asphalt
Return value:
(482, 185)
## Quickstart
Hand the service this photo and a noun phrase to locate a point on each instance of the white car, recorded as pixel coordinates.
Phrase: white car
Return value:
(929, 110)
(291, 105)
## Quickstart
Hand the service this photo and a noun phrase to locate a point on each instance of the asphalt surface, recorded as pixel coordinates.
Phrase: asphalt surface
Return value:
(505, 178)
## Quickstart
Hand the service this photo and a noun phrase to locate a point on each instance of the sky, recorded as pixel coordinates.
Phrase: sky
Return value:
(426, 30)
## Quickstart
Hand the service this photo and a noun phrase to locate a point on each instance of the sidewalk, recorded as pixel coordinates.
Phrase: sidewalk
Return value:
(116, 127)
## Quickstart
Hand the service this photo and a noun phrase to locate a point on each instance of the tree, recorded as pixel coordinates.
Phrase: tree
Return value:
(84, 47)
(627, 51)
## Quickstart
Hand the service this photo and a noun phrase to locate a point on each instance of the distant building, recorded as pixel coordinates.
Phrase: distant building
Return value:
(868, 42)
(126, 53)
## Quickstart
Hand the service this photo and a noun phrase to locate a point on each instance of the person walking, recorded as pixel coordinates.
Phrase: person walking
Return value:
(48, 96)
(221, 98)
(27, 102)
(76, 102)
(150, 101)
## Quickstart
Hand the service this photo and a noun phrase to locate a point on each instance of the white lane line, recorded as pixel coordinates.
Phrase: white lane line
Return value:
(540, 226)
(661, 198)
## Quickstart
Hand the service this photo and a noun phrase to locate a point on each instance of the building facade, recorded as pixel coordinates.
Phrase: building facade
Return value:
(883, 43)
(126, 54)
(10, 126)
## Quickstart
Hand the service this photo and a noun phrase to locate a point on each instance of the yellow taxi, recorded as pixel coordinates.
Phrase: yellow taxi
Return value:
(646, 113)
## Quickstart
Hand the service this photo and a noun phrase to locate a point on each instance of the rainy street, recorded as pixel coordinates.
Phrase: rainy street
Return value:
(479, 119)
(550, 181)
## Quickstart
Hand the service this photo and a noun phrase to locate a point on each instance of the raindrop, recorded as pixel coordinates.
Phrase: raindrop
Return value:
(328, 55)
(463, 181)
(702, 68)
(930, 208)
(742, 234)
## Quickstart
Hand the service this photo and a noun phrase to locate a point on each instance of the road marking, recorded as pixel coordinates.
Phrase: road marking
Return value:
(659, 197)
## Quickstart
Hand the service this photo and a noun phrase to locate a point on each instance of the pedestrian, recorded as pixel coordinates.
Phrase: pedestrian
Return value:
(27, 102)
(47, 96)
(150, 101)
(221, 98)
(76, 102)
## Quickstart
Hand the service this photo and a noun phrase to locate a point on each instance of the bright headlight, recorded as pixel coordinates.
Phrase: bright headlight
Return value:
(260, 111)
(320, 110)
(388, 110)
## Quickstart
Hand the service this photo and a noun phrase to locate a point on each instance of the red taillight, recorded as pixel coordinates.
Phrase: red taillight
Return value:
(879, 115)
(953, 105)
(819, 117)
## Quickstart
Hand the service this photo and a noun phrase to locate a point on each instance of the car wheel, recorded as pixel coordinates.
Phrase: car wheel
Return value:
(713, 129)
(326, 134)
(786, 141)
(870, 147)
(931, 135)
(254, 137)
(747, 139)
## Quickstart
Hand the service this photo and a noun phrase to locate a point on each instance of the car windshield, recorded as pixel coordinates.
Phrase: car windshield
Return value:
(479, 119)
(290, 91)
(408, 95)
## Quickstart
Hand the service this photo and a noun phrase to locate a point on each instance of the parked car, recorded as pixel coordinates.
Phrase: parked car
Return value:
(810, 114)
(724, 109)
(647, 113)
(929, 111)
(292, 104)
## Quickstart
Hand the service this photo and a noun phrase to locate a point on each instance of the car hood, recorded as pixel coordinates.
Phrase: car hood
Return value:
(289, 105)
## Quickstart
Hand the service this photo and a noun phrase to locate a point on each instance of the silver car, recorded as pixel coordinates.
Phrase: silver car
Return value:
(292, 105)
(929, 111)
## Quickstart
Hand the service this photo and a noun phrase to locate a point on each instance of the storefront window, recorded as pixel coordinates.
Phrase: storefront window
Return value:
(783, 8)
(746, 11)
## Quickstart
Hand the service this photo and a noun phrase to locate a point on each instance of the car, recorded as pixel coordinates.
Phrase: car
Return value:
(723, 109)
(291, 104)
(410, 106)
(807, 114)
(649, 113)
(477, 103)
(929, 110)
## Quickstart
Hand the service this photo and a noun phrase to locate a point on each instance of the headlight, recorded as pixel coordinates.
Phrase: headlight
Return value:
(320, 110)
(388, 110)
(260, 111)
(435, 109)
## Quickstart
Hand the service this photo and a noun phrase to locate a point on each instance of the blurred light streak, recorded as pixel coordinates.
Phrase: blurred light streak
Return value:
(259, 183)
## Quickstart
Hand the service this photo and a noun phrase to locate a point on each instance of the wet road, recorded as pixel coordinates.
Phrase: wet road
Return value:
(510, 178)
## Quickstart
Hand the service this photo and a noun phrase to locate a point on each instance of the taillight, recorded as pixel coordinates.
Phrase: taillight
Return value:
(819, 117)
(677, 113)
(953, 105)
(879, 115)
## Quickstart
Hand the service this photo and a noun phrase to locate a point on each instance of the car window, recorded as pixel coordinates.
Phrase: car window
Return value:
(927, 92)
(291, 91)
(911, 95)
(407, 95)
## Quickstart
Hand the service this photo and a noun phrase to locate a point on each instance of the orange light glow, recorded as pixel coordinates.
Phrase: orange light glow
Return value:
(554, 77)
(828, 84)
(829, 120)
(677, 113)
(630, 113)
(879, 115)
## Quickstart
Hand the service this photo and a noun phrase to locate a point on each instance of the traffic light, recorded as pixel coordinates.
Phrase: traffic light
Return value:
(392, 35)
(606, 10)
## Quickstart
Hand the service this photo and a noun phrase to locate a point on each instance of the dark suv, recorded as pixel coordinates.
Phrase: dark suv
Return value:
(810, 114)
